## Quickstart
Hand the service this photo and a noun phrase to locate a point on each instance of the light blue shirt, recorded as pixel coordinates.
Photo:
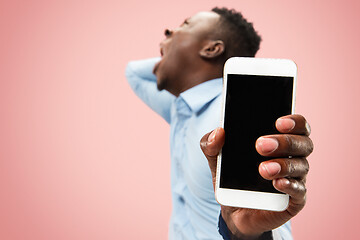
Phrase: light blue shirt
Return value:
(195, 112)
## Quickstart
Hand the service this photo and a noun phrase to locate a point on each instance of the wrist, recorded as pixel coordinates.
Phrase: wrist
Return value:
(264, 236)
(227, 234)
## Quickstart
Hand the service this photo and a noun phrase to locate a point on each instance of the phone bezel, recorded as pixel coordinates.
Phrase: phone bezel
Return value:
(261, 67)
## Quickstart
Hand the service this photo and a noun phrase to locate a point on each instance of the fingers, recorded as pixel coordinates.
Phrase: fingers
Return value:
(294, 124)
(293, 141)
(284, 168)
(211, 144)
(284, 145)
(289, 176)
(296, 190)
(289, 168)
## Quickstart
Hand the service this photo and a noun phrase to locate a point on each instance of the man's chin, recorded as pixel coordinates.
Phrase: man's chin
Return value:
(156, 67)
(160, 86)
(160, 81)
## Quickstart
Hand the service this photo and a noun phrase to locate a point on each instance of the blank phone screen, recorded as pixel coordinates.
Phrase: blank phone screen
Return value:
(253, 103)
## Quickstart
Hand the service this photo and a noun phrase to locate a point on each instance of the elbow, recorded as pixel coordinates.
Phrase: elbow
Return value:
(129, 72)
(130, 75)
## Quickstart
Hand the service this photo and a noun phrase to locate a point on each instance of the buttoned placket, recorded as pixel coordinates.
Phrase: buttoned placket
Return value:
(181, 115)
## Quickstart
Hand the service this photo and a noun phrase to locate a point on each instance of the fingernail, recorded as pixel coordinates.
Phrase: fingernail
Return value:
(267, 145)
(286, 124)
(272, 168)
(212, 135)
(282, 181)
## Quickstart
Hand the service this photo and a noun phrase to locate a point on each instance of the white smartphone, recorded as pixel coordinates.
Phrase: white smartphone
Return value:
(257, 91)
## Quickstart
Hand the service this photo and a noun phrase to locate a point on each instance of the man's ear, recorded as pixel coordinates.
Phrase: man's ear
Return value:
(212, 49)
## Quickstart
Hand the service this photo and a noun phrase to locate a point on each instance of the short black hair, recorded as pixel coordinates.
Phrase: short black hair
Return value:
(238, 34)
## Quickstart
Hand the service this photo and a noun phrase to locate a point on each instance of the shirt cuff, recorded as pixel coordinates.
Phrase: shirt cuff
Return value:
(225, 233)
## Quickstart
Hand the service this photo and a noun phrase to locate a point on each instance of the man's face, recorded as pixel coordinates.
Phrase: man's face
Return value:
(180, 50)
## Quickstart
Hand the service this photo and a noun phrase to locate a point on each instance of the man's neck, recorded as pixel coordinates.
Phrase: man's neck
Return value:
(191, 80)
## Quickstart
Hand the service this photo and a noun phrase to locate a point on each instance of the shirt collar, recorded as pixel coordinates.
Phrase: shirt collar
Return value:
(197, 97)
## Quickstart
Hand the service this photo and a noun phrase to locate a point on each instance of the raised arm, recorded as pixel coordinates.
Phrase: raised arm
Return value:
(142, 80)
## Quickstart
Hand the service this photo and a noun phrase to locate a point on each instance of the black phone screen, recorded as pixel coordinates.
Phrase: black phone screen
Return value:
(253, 103)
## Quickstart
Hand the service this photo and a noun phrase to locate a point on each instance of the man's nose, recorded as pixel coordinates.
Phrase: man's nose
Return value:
(168, 32)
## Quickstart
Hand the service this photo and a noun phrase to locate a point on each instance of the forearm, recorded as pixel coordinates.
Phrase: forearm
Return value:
(143, 82)
(141, 70)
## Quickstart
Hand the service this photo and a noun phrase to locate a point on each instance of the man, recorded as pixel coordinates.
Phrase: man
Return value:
(184, 87)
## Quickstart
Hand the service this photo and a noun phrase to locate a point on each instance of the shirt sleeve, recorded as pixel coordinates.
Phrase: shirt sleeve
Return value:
(143, 82)
(281, 233)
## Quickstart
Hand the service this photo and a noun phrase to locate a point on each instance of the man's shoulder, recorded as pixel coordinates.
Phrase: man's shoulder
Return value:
(209, 117)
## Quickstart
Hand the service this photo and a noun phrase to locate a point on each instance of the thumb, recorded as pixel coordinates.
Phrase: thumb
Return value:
(211, 144)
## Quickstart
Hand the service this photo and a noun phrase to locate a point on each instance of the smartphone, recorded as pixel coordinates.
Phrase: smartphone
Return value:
(257, 91)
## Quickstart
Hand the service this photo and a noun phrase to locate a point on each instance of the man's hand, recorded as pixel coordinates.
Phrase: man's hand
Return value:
(288, 174)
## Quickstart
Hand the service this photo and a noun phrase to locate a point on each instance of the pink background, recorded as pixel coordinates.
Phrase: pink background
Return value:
(82, 158)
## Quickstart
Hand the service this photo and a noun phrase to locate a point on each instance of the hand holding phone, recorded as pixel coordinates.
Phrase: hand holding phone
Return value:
(293, 140)
(245, 222)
